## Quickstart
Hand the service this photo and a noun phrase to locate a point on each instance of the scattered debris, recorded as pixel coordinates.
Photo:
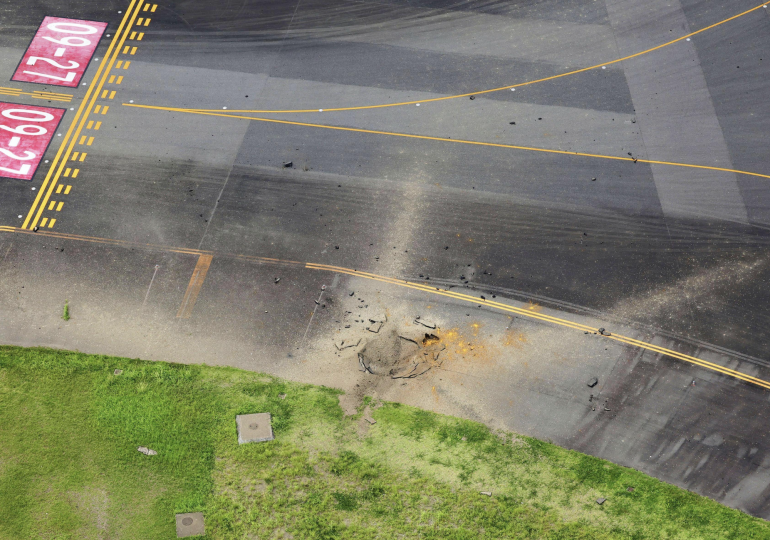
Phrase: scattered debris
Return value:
(600, 500)
(593, 382)
(363, 367)
(409, 339)
(351, 293)
(117, 372)
(342, 345)
(376, 326)
(487, 493)
(593, 179)
(464, 439)
(426, 324)
(36, 229)
(430, 339)
(371, 421)
(411, 371)
(147, 451)
(591, 397)
(288, 164)
(473, 97)
(630, 488)
(603, 332)
(277, 279)
(512, 123)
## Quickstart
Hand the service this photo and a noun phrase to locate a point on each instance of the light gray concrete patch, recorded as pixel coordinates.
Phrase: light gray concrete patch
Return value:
(190, 524)
(254, 428)
(675, 112)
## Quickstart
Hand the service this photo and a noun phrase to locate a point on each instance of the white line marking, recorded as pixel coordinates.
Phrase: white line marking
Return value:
(14, 141)
(60, 51)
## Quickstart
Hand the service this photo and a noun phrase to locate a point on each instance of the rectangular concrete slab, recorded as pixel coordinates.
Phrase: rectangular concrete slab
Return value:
(190, 524)
(254, 428)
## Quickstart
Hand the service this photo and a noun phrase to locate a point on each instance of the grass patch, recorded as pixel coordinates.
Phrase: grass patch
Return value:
(70, 469)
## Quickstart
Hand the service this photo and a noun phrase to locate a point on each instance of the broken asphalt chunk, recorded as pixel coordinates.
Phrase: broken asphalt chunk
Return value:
(362, 366)
(347, 344)
(426, 324)
(376, 326)
(288, 164)
(487, 493)
(593, 382)
(600, 500)
(147, 451)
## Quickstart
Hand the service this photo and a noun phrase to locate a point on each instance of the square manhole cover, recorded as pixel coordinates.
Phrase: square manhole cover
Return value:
(254, 428)
(189, 524)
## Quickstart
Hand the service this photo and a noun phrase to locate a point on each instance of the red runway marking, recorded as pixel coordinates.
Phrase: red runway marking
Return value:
(60, 52)
(25, 132)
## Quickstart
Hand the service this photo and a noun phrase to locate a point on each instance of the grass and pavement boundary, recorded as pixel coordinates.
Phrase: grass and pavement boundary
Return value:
(69, 466)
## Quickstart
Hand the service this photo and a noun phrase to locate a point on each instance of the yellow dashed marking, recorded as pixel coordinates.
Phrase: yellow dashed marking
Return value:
(133, 35)
(90, 140)
(50, 225)
(139, 21)
(146, 7)
(43, 222)
(98, 125)
(67, 172)
(141, 35)
(128, 63)
(90, 124)
(112, 94)
(58, 208)
(50, 206)
(117, 66)
(83, 155)
(125, 51)
(104, 94)
(106, 108)
(147, 22)
(133, 50)
(82, 140)
(75, 156)
(112, 79)
(67, 190)
(154, 7)
(120, 80)
(59, 188)
(75, 173)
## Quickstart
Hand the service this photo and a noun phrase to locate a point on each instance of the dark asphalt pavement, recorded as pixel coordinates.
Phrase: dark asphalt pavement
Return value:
(669, 253)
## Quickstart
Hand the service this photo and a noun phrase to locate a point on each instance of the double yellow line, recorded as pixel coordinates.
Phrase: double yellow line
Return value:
(547, 319)
(81, 117)
(48, 96)
(416, 286)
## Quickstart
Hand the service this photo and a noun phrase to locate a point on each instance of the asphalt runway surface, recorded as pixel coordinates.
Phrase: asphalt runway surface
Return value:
(270, 179)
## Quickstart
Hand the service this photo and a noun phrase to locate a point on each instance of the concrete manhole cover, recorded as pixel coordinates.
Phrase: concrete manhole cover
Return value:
(254, 428)
(190, 524)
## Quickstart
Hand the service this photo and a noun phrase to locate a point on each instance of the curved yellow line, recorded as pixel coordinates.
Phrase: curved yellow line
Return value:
(552, 77)
(446, 139)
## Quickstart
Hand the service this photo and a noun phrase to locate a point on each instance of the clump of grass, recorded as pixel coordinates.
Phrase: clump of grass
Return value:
(66, 313)
(69, 429)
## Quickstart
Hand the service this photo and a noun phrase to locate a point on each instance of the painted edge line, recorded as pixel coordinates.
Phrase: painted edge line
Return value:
(71, 129)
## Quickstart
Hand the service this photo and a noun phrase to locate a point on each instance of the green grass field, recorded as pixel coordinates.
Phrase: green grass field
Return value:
(70, 469)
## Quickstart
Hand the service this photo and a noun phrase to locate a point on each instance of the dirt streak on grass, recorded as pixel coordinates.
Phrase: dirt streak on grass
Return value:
(69, 468)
